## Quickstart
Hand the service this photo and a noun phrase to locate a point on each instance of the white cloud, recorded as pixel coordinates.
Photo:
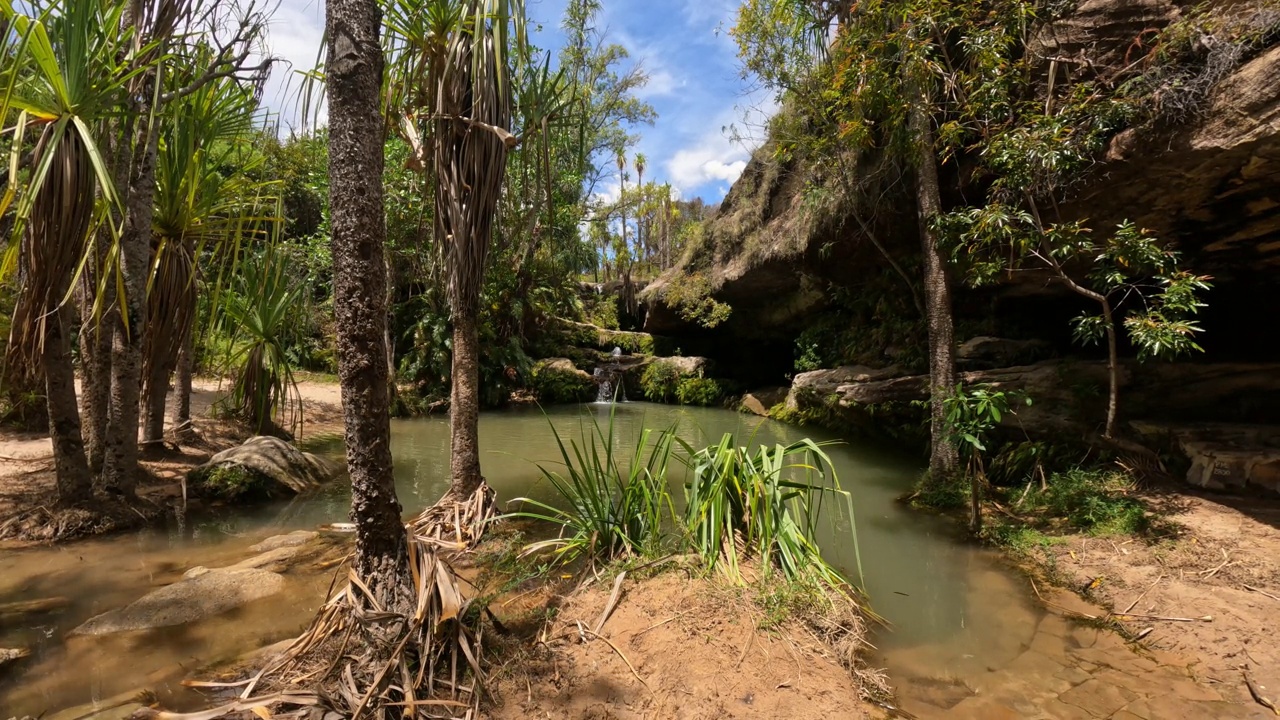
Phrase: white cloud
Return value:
(713, 157)
(294, 35)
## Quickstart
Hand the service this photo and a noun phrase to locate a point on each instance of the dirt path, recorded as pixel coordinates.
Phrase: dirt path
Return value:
(1224, 564)
(26, 459)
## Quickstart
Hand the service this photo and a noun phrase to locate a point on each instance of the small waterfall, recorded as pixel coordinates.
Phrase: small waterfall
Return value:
(609, 381)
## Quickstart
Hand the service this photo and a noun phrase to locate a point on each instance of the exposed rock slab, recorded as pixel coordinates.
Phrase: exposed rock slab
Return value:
(189, 599)
(1227, 457)
(271, 458)
(293, 539)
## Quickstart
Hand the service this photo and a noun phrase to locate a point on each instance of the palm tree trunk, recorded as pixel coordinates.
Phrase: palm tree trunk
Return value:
(74, 482)
(356, 135)
(464, 408)
(157, 393)
(182, 386)
(96, 334)
(943, 459)
(120, 468)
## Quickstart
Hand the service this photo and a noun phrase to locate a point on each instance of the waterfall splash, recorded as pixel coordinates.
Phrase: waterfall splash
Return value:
(609, 380)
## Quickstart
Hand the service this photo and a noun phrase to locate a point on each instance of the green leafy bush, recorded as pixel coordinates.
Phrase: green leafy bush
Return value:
(1096, 501)
(552, 383)
(659, 382)
(699, 391)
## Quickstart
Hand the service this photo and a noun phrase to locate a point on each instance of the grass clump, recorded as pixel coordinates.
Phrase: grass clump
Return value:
(764, 504)
(1094, 501)
(230, 483)
(699, 391)
(613, 507)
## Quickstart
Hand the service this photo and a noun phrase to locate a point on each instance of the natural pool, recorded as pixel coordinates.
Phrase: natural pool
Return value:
(954, 610)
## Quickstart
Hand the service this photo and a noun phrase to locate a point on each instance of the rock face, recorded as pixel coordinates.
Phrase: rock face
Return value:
(189, 599)
(984, 352)
(261, 466)
(759, 402)
(1205, 182)
(1070, 396)
(1239, 458)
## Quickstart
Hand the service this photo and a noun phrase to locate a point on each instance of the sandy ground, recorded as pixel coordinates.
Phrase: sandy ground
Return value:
(26, 464)
(674, 647)
(1224, 564)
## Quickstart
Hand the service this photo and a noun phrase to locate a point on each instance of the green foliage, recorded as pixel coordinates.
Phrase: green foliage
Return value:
(551, 384)
(766, 504)
(1091, 500)
(974, 412)
(613, 506)
(257, 320)
(699, 391)
(230, 483)
(659, 382)
(691, 297)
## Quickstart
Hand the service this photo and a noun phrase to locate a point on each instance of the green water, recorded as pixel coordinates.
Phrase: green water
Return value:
(950, 605)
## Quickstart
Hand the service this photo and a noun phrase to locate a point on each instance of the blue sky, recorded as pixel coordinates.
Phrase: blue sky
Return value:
(683, 45)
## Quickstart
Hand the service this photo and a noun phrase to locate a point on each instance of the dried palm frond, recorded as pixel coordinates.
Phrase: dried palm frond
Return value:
(364, 660)
(457, 524)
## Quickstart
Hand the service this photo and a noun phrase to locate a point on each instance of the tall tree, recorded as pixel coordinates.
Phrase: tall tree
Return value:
(353, 79)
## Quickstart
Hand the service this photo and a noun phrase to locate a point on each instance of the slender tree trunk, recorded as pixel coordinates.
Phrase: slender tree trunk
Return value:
(75, 485)
(943, 460)
(353, 79)
(120, 468)
(182, 429)
(96, 334)
(976, 476)
(1113, 370)
(157, 393)
(464, 410)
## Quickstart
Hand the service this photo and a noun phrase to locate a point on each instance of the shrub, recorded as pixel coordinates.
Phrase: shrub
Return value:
(1095, 501)
(699, 391)
(553, 383)
(230, 483)
(660, 382)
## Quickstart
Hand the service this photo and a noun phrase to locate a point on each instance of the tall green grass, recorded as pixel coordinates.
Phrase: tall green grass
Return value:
(613, 506)
(740, 504)
(765, 504)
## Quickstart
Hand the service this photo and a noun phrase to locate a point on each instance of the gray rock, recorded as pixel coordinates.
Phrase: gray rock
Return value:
(276, 560)
(985, 351)
(283, 465)
(192, 598)
(759, 402)
(293, 539)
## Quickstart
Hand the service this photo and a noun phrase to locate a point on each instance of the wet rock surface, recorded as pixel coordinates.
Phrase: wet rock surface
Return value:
(260, 466)
(195, 597)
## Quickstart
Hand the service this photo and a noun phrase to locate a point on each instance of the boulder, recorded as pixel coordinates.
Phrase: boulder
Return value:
(192, 598)
(261, 467)
(293, 539)
(558, 380)
(759, 402)
(825, 382)
(1234, 457)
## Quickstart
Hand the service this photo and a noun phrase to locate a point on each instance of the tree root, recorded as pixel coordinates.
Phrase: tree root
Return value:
(457, 524)
(363, 660)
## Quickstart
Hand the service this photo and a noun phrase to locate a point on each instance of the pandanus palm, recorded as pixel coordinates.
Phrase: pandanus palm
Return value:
(64, 79)
(204, 201)
(451, 86)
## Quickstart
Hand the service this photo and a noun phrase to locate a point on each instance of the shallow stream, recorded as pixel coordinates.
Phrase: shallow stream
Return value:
(954, 610)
